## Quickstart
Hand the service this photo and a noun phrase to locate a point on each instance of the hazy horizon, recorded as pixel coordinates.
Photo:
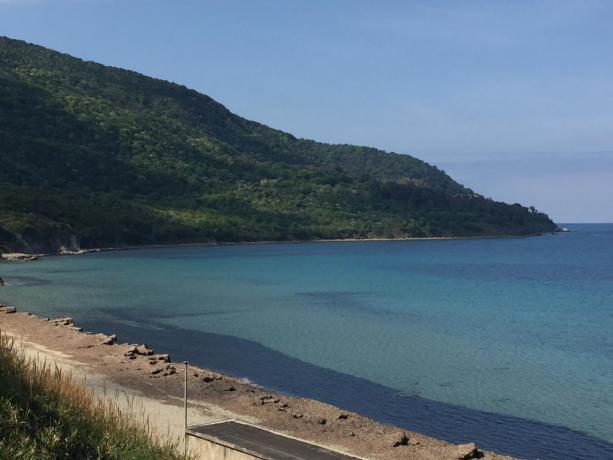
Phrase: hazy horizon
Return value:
(511, 99)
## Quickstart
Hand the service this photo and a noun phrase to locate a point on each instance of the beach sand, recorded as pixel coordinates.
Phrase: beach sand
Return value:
(150, 385)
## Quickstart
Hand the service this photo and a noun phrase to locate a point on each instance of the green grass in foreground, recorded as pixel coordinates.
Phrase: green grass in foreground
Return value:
(45, 414)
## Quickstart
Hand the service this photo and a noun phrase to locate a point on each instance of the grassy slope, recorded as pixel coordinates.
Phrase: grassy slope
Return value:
(117, 158)
(45, 415)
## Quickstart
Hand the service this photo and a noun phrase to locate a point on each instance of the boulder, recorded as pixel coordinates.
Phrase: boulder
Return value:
(62, 321)
(403, 440)
(467, 452)
(7, 309)
(143, 350)
(109, 339)
(268, 400)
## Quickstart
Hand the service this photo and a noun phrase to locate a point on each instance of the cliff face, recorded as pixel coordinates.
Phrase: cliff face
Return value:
(39, 241)
(112, 157)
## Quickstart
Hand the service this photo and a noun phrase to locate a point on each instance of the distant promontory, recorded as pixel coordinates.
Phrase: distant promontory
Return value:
(96, 156)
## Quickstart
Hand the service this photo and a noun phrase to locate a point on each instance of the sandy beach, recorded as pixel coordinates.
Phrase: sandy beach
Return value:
(148, 383)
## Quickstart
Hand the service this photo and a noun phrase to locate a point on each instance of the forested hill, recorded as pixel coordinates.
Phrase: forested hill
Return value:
(109, 157)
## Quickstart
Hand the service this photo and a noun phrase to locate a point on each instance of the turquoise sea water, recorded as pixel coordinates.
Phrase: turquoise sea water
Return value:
(507, 342)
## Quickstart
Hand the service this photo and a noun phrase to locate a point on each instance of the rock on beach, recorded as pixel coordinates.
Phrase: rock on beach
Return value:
(7, 309)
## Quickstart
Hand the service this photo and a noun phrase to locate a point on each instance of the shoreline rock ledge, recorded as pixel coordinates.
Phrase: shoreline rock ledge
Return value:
(7, 308)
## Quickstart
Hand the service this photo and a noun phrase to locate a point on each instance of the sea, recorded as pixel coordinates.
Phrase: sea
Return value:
(504, 342)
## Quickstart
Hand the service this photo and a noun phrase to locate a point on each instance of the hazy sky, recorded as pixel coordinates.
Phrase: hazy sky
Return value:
(512, 98)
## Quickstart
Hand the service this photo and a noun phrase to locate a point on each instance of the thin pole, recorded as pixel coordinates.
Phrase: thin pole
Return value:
(185, 405)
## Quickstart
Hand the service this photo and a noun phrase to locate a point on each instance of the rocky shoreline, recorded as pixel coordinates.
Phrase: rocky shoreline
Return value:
(20, 256)
(154, 375)
(28, 257)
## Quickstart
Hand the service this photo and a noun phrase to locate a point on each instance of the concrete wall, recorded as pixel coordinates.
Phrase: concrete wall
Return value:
(207, 450)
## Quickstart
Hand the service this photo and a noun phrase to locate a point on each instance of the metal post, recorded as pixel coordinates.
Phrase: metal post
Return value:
(185, 405)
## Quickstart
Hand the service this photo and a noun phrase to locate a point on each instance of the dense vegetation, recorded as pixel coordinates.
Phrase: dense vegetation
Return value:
(47, 415)
(116, 158)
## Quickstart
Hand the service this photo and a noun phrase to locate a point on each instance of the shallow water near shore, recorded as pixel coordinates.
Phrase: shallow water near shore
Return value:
(506, 342)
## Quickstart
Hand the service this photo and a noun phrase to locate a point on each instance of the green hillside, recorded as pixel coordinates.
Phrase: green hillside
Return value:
(99, 156)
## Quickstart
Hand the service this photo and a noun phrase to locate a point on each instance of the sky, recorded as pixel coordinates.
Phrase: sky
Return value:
(512, 98)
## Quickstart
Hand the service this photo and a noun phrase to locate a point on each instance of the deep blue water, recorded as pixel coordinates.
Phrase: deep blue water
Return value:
(506, 342)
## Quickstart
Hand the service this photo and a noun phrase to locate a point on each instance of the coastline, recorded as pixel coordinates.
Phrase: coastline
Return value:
(20, 256)
(155, 382)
